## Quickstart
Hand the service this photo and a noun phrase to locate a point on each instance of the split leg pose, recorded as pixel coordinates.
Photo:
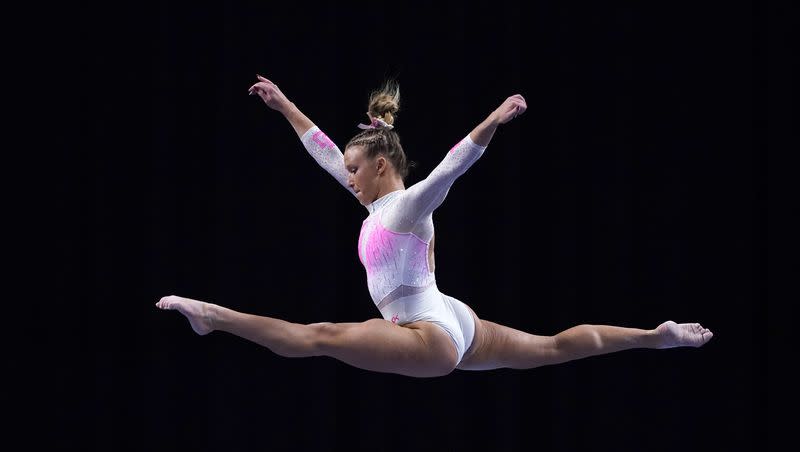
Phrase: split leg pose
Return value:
(417, 350)
(423, 332)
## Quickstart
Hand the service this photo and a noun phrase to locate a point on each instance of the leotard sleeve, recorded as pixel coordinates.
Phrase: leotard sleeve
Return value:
(426, 195)
(327, 154)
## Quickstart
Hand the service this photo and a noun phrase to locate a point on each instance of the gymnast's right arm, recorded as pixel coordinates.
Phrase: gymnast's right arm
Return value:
(321, 148)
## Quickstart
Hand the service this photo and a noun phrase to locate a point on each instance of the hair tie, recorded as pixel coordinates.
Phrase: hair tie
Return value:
(376, 123)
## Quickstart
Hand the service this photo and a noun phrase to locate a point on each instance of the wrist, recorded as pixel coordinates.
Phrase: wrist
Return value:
(289, 109)
(493, 120)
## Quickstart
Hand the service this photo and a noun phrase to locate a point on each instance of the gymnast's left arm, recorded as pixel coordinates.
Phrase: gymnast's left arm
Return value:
(425, 196)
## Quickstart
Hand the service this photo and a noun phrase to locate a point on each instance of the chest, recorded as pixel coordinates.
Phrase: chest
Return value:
(379, 246)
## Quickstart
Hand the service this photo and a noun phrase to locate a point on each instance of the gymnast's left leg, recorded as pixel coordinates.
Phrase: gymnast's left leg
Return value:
(417, 349)
(498, 346)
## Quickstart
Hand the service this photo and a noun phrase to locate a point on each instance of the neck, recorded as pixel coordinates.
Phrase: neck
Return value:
(390, 186)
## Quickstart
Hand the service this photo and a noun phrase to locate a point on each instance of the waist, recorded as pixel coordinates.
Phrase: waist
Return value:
(397, 284)
(404, 292)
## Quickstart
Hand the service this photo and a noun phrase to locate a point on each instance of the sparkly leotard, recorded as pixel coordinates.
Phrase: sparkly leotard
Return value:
(394, 241)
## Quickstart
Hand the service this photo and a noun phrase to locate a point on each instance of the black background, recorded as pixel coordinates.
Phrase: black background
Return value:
(632, 191)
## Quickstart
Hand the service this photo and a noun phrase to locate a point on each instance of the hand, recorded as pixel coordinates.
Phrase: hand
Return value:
(510, 109)
(270, 94)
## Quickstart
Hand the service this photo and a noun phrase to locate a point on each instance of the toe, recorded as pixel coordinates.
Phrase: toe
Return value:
(164, 303)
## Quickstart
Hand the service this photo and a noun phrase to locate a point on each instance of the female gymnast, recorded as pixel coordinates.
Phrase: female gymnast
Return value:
(423, 332)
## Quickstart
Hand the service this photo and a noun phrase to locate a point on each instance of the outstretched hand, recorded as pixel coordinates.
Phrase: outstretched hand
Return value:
(270, 94)
(510, 109)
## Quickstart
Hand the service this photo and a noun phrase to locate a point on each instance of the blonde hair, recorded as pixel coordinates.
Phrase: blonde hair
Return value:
(384, 104)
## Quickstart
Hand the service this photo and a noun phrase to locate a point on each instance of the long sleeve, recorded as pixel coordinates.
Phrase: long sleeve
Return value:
(425, 196)
(327, 155)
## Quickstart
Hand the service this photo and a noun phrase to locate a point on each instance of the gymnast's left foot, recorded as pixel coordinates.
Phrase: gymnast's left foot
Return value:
(195, 311)
(673, 334)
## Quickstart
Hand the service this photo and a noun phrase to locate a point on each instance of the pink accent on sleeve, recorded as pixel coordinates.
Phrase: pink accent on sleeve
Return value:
(322, 140)
(422, 198)
(454, 147)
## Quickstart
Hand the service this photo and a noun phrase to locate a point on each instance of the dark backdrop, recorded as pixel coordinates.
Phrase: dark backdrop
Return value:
(631, 192)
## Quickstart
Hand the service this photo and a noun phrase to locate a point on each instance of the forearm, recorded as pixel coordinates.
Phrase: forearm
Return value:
(425, 196)
(324, 151)
(297, 119)
(482, 134)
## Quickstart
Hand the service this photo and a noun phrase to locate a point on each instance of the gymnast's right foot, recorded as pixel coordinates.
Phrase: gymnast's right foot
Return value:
(673, 334)
(194, 310)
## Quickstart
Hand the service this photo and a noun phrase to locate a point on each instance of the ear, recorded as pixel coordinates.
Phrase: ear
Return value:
(380, 164)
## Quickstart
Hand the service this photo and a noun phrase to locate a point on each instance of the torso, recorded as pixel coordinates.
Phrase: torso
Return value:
(396, 247)
(431, 262)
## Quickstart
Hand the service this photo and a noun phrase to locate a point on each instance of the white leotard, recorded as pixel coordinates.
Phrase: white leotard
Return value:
(396, 235)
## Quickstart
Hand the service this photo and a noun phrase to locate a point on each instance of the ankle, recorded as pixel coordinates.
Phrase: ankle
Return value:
(211, 315)
(654, 338)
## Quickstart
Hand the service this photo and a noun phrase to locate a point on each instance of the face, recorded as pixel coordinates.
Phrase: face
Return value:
(363, 173)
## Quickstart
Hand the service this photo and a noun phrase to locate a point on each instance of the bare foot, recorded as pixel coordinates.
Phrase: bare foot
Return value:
(194, 310)
(673, 334)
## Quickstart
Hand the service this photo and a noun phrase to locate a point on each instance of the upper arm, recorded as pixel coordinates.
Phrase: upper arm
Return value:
(428, 194)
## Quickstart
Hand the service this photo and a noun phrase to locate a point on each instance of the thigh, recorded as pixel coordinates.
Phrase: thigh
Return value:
(418, 349)
(497, 346)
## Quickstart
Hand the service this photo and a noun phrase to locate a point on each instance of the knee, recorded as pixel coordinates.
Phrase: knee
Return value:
(323, 337)
(303, 340)
(581, 338)
(591, 337)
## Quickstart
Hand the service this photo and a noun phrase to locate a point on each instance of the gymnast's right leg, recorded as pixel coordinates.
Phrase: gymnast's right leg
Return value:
(498, 346)
(418, 349)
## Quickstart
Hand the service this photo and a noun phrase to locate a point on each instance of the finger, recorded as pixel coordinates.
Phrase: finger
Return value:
(263, 79)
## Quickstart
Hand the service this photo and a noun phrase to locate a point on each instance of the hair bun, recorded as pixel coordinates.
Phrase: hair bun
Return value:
(385, 102)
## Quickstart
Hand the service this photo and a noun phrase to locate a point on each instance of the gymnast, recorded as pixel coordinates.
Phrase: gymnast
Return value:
(423, 332)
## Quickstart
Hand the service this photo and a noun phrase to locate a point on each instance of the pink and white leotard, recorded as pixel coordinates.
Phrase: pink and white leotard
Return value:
(395, 238)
